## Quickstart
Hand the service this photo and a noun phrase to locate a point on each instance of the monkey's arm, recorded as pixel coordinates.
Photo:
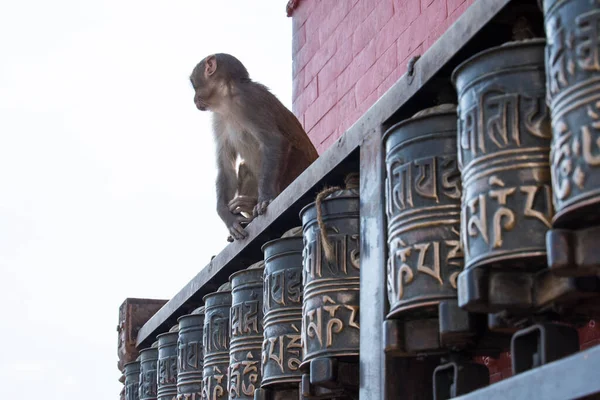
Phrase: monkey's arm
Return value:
(226, 187)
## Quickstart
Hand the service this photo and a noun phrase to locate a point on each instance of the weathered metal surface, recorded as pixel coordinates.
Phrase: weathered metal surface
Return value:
(331, 304)
(216, 344)
(423, 213)
(190, 357)
(167, 365)
(331, 288)
(329, 378)
(282, 288)
(573, 252)
(246, 324)
(573, 377)
(573, 82)
(423, 192)
(458, 377)
(148, 373)
(280, 394)
(133, 314)
(503, 148)
(132, 380)
(541, 344)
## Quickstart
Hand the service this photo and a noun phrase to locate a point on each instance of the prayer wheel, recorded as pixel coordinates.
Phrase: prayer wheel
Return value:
(132, 380)
(282, 348)
(503, 155)
(167, 365)
(190, 355)
(423, 192)
(331, 301)
(216, 343)
(148, 373)
(573, 93)
(573, 86)
(246, 322)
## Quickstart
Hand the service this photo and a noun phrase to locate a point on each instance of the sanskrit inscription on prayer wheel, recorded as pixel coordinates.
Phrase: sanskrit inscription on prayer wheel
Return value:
(167, 365)
(573, 85)
(423, 191)
(132, 380)
(216, 343)
(503, 153)
(190, 356)
(148, 373)
(331, 303)
(246, 323)
(282, 348)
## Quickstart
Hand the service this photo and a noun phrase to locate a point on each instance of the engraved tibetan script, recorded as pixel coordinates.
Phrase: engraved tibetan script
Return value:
(244, 318)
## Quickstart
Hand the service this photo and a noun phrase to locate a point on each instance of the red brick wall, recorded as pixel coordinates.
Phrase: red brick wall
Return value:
(347, 53)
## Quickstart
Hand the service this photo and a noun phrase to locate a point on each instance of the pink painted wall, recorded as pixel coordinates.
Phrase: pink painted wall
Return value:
(347, 53)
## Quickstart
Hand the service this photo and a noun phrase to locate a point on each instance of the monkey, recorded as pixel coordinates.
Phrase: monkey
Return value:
(248, 122)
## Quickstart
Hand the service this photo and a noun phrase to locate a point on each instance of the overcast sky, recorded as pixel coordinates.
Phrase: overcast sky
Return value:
(107, 170)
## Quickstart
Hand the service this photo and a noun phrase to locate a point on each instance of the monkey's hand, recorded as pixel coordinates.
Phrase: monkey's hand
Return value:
(242, 204)
(261, 207)
(234, 225)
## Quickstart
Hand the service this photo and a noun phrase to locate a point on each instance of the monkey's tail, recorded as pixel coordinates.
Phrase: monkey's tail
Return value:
(327, 246)
(351, 182)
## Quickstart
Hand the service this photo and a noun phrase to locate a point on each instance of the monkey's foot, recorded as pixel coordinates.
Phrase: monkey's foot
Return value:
(261, 207)
(242, 204)
(235, 227)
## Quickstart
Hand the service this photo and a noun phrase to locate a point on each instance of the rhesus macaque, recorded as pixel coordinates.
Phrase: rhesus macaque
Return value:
(249, 122)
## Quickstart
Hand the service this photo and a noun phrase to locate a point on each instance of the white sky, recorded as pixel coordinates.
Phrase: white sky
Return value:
(106, 170)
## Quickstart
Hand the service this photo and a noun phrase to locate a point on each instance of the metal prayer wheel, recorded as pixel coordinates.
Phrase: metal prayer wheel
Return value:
(132, 380)
(167, 365)
(331, 302)
(216, 344)
(148, 373)
(423, 192)
(573, 87)
(246, 324)
(190, 356)
(503, 154)
(282, 289)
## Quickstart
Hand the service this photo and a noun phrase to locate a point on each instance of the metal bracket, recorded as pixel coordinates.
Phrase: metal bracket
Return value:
(540, 344)
(448, 328)
(330, 379)
(261, 394)
(519, 293)
(573, 252)
(457, 378)
(277, 393)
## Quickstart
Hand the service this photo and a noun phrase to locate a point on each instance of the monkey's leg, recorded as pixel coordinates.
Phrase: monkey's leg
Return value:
(274, 161)
(261, 207)
(226, 187)
(247, 192)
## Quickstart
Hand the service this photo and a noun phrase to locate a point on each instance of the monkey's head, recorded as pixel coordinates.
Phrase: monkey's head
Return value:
(213, 75)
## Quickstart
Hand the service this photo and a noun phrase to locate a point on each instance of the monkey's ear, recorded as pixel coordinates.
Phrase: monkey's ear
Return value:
(210, 65)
